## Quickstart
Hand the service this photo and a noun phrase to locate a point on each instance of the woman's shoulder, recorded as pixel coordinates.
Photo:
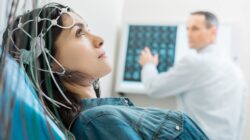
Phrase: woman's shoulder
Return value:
(103, 122)
(106, 111)
(99, 110)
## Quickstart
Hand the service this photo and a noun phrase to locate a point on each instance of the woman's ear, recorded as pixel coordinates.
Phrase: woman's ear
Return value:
(55, 67)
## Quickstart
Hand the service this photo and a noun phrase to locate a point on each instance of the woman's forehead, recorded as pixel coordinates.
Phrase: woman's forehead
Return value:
(71, 18)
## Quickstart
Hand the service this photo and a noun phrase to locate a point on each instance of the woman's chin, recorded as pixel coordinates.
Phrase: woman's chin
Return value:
(108, 71)
(105, 71)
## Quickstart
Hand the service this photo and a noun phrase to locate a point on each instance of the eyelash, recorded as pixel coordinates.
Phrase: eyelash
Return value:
(80, 32)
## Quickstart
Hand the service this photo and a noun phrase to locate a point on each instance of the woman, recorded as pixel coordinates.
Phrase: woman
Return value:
(65, 60)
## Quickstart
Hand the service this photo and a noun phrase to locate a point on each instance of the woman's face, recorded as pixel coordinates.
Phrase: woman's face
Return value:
(79, 50)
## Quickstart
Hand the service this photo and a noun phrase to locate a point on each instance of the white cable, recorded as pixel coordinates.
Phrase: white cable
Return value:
(52, 76)
(25, 55)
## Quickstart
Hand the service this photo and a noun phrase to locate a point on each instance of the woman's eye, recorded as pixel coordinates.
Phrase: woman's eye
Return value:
(80, 32)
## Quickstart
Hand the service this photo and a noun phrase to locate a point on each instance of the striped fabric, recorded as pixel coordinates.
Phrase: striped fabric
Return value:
(21, 113)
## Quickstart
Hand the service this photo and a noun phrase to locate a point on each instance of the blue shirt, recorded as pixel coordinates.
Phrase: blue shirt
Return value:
(119, 119)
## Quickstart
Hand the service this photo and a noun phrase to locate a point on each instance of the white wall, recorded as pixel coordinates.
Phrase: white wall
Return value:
(228, 11)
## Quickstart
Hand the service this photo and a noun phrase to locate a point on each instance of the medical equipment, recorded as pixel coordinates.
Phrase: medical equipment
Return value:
(37, 48)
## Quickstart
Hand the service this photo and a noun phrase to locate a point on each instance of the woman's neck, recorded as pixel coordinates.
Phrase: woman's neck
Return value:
(82, 91)
(85, 92)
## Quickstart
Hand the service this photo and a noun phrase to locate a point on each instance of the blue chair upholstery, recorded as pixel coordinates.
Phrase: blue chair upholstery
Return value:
(21, 113)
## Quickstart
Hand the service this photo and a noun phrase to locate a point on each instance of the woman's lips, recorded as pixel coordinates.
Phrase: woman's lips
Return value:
(102, 55)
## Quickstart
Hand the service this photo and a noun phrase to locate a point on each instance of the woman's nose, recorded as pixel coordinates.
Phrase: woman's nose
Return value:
(98, 41)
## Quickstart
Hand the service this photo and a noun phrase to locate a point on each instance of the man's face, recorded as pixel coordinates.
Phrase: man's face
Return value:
(199, 35)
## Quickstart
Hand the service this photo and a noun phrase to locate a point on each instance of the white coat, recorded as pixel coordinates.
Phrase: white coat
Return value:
(209, 87)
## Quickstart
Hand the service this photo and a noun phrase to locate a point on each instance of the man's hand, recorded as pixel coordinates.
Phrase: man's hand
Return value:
(147, 57)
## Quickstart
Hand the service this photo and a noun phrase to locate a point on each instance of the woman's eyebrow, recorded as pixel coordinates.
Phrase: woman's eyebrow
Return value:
(80, 25)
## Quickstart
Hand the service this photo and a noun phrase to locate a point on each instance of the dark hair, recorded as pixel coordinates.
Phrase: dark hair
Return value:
(211, 19)
(22, 41)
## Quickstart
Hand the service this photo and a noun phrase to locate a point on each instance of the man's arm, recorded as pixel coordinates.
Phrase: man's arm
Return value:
(176, 81)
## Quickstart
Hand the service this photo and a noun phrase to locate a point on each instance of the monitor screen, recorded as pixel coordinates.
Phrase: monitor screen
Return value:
(159, 39)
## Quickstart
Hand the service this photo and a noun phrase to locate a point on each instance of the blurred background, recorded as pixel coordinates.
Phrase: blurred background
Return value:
(110, 18)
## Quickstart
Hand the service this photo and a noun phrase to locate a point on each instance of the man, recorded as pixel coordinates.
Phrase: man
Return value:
(208, 85)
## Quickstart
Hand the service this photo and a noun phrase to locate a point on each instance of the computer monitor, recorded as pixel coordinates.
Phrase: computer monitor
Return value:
(159, 39)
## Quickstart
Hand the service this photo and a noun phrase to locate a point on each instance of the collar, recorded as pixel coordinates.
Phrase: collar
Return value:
(208, 49)
(94, 102)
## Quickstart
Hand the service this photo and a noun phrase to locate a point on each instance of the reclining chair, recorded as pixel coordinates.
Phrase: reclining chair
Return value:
(22, 115)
